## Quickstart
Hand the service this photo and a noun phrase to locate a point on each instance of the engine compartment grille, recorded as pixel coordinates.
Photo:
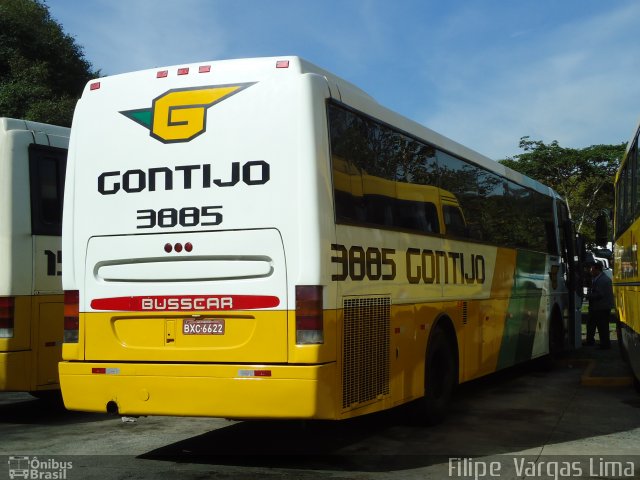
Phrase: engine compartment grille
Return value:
(366, 340)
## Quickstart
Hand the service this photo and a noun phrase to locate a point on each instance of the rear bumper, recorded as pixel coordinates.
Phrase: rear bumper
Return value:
(201, 389)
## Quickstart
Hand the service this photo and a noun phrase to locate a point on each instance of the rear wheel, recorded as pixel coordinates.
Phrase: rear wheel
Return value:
(441, 378)
(556, 337)
(623, 351)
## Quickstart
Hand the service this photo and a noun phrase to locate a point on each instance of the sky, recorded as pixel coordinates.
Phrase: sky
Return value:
(482, 72)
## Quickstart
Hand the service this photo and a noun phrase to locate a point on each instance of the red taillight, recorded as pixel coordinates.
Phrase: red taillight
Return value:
(7, 311)
(309, 325)
(71, 315)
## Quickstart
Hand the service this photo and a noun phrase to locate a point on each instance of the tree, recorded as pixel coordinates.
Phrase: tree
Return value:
(583, 176)
(42, 69)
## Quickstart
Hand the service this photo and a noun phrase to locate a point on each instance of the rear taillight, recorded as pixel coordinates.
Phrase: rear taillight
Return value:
(7, 311)
(71, 315)
(309, 326)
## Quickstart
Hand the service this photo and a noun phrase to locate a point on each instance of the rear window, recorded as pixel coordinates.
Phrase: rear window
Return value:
(47, 167)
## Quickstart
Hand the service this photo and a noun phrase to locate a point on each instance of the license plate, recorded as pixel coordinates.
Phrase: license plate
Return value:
(205, 326)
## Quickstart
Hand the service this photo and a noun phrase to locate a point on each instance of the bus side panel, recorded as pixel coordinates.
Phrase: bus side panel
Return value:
(49, 315)
(47, 264)
(485, 330)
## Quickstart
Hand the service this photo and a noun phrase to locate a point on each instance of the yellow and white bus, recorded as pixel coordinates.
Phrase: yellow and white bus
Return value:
(259, 238)
(32, 172)
(626, 278)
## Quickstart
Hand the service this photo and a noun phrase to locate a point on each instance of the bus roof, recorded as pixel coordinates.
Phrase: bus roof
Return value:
(255, 69)
(8, 124)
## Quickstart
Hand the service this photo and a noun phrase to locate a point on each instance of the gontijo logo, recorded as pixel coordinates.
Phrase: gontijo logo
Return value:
(179, 115)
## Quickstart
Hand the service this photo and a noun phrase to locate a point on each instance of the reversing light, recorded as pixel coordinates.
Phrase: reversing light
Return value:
(309, 324)
(254, 373)
(7, 314)
(71, 316)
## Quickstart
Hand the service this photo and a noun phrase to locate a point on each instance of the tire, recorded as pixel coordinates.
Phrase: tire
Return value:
(556, 344)
(50, 397)
(440, 378)
(623, 351)
(556, 337)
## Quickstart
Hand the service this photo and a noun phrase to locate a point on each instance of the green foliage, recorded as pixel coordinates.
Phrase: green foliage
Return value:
(583, 176)
(42, 69)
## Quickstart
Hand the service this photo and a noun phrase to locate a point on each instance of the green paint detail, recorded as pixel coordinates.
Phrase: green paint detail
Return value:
(142, 116)
(524, 305)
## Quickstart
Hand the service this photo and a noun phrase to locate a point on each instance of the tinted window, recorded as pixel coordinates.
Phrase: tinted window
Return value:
(46, 171)
(381, 176)
(387, 179)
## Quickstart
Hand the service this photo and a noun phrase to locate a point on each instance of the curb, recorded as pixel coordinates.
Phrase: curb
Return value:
(588, 381)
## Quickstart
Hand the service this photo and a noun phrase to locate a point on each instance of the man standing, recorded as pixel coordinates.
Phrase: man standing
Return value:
(600, 299)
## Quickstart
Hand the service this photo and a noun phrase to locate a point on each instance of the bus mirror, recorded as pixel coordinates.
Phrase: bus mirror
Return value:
(602, 227)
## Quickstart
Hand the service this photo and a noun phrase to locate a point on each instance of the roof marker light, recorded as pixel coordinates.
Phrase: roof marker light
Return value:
(162, 74)
(94, 86)
(183, 71)
(282, 64)
(204, 68)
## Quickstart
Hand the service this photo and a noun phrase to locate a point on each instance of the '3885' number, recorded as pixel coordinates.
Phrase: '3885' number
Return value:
(185, 217)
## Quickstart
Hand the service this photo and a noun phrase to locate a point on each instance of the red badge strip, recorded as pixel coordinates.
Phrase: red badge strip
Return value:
(162, 303)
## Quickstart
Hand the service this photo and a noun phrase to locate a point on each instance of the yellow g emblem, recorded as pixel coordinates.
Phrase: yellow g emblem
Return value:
(180, 115)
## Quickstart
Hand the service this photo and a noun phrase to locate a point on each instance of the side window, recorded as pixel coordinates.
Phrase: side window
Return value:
(459, 184)
(633, 158)
(381, 177)
(620, 202)
(453, 220)
(47, 167)
(546, 224)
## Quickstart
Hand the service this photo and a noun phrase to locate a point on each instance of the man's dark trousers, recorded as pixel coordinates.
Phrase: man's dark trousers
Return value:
(599, 319)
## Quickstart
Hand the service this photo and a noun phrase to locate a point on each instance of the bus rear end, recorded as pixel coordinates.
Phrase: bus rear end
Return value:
(32, 165)
(192, 192)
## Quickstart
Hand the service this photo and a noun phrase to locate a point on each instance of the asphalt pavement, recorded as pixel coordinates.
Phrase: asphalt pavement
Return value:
(583, 414)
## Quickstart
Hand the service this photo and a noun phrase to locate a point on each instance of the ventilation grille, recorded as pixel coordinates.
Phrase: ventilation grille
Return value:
(365, 374)
(465, 313)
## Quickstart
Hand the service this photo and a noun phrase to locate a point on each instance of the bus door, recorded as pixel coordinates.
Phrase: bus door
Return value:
(572, 249)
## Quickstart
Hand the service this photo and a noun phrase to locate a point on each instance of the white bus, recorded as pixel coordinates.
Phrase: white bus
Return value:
(259, 238)
(32, 172)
